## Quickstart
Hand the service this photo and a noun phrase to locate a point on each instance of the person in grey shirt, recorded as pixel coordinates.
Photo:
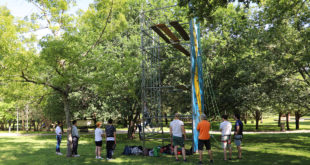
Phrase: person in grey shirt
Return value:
(75, 139)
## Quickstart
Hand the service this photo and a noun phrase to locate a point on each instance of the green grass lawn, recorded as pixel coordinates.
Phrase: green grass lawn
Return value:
(259, 149)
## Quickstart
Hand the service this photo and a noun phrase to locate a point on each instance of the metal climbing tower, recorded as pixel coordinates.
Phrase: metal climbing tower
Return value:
(160, 34)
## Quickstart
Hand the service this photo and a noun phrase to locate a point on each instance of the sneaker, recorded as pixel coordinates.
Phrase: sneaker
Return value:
(200, 162)
(99, 157)
(59, 153)
(229, 159)
(211, 161)
(185, 160)
(76, 155)
(109, 158)
(177, 160)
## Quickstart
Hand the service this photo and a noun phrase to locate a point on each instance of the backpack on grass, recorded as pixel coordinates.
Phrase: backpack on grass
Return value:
(127, 150)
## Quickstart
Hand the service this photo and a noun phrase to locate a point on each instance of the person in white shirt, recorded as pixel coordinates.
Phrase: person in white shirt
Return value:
(177, 135)
(98, 140)
(58, 137)
(225, 128)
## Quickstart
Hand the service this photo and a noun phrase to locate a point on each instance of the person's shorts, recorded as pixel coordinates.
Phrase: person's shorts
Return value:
(202, 143)
(238, 139)
(98, 143)
(226, 141)
(178, 141)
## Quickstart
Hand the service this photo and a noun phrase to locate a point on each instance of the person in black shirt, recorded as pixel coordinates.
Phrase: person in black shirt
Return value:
(110, 138)
(238, 133)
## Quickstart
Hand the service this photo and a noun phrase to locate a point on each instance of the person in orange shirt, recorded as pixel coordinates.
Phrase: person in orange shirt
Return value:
(204, 137)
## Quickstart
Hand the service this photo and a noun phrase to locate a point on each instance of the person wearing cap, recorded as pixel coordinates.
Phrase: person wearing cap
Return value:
(203, 128)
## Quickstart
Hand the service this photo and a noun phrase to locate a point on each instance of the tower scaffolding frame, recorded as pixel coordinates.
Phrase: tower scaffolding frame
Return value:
(152, 87)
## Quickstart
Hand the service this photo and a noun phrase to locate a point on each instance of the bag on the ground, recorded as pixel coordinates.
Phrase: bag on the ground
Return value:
(127, 150)
(156, 151)
(166, 149)
(145, 152)
(151, 153)
(189, 151)
(136, 151)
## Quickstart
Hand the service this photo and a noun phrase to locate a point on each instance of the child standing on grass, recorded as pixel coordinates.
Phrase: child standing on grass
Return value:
(58, 137)
(110, 138)
(98, 140)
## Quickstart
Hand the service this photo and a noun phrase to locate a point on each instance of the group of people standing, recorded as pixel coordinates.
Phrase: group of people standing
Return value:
(178, 136)
(110, 136)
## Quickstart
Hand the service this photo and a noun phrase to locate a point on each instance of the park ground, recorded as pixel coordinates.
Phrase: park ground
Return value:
(260, 148)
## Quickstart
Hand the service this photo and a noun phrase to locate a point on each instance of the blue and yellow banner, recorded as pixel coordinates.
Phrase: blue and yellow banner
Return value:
(196, 77)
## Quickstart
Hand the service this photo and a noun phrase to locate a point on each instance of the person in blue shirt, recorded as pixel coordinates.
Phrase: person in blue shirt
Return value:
(238, 133)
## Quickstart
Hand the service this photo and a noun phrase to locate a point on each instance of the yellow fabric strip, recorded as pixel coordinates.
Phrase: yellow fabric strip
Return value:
(196, 78)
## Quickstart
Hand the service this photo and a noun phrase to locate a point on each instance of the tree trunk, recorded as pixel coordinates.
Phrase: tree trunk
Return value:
(94, 117)
(5, 124)
(68, 121)
(245, 119)
(297, 117)
(10, 121)
(279, 119)
(131, 127)
(30, 125)
(257, 118)
(132, 123)
(22, 115)
(38, 125)
(34, 125)
(125, 123)
(13, 125)
(2, 125)
(48, 125)
(287, 121)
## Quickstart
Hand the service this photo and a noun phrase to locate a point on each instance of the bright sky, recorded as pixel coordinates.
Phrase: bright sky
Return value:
(22, 8)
